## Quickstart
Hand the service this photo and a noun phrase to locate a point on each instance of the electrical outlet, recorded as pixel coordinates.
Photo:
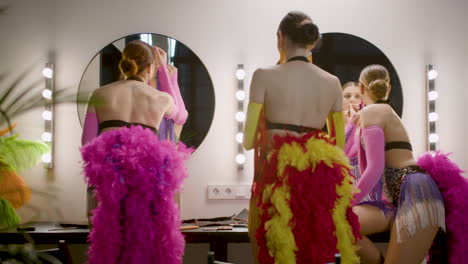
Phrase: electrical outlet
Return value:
(215, 192)
(229, 192)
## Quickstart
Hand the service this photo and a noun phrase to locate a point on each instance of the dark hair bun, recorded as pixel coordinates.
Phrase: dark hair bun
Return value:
(128, 66)
(308, 33)
(299, 28)
(378, 88)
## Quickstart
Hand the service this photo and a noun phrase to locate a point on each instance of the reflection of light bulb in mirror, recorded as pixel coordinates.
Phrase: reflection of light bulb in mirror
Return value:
(240, 95)
(46, 158)
(47, 115)
(432, 95)
(239, 137)
(47, 94)
(432, 74)
(433, 138)
(47, 72)
(240, 159)
(46, 136)
(240, 116)
(240, 74)
(433, 116)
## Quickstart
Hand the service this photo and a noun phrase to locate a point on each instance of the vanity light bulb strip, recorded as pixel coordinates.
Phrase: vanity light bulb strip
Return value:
(431, 114)
(48, 115)
(240, 116)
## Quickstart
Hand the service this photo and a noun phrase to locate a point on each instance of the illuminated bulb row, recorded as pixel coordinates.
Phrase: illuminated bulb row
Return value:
(240, 115)
(432, 96)
(47, 115)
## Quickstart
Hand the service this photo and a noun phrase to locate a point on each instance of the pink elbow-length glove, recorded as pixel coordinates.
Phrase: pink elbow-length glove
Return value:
(171, 86)
(374, 142)
(90, 128)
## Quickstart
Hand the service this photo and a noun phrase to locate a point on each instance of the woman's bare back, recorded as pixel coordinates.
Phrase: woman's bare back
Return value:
(132, 101)
(296, 93)
(382, 115)
(300, 93)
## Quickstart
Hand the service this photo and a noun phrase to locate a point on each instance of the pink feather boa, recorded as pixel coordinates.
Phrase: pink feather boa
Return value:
(136, 176)
(454, 189)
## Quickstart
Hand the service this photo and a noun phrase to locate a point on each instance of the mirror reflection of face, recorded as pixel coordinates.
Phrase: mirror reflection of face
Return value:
(351, 96)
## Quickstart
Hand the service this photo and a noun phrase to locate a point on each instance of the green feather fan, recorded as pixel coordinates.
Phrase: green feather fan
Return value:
(8, 215)
(19, 154)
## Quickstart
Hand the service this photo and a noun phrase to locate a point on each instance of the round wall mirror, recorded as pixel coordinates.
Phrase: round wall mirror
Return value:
(345, 56)
(195, 83)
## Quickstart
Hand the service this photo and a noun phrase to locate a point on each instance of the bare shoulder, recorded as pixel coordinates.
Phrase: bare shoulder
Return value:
(324, 74)
(376, 109)
(162, 97)
(112, 85)
(264, 72)
(375, 115)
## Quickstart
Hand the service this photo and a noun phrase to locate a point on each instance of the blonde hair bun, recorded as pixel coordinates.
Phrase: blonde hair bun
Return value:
(378, 88)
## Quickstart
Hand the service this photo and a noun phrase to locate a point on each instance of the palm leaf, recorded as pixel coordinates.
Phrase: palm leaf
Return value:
(15, 84)
(22, 97)
(28, 97)
(61, 96)
(21, 154)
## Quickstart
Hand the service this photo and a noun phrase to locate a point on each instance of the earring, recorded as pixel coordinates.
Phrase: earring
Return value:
(310, 58)
(282, 59)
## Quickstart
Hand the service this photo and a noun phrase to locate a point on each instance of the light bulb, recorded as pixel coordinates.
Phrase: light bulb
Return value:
(240, 95)
(240, 159)
(47, 94)
(47, 115)
(432, 74)
(240, 116)
(239, 137)
(47, 72)
(240, 74)
(433, 116)
(46, 158)
(433, 138)
(432, 95)
(46, 136)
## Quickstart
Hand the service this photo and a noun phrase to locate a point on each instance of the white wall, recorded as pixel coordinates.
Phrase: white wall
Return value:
(223, 34)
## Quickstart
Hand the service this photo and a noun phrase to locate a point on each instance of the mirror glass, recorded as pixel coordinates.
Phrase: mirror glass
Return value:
(345, 56)
(195, 83)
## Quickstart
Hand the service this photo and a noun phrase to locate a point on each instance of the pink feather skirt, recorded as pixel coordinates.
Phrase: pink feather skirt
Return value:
(135, 177)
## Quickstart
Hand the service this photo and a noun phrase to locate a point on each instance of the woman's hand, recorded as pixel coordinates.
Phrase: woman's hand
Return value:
(172, 69)
(161, 57)
(352, 114)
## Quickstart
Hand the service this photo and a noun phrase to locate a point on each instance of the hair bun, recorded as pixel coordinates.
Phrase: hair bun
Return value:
(128, 66)
(378, 88)
(309, 33)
